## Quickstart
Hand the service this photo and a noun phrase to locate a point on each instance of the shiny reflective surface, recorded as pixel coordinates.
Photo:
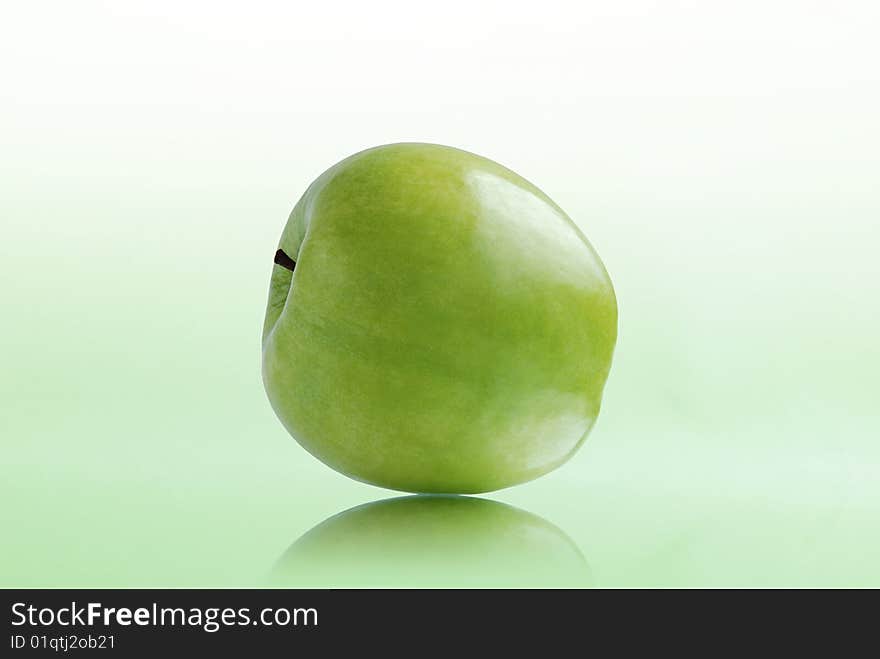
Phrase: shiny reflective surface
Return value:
(439, 541)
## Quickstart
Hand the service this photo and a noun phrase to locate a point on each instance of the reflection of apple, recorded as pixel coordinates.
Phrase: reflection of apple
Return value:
(436, 323)
(433, 541)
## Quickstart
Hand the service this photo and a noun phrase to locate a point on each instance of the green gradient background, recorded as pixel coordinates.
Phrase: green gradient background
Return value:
(723, 161)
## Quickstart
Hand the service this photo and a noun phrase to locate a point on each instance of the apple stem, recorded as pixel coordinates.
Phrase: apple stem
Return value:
(282, 259)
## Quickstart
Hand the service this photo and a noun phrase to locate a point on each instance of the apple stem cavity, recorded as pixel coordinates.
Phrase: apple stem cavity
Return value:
(282, 259)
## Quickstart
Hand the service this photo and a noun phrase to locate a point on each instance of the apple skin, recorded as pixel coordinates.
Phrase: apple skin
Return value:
(446, 327)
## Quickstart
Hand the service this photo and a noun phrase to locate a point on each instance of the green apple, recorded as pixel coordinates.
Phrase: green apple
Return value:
(436, 323)
(433, 541)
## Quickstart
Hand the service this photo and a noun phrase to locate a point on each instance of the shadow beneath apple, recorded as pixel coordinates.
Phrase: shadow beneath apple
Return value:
(433, 541)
